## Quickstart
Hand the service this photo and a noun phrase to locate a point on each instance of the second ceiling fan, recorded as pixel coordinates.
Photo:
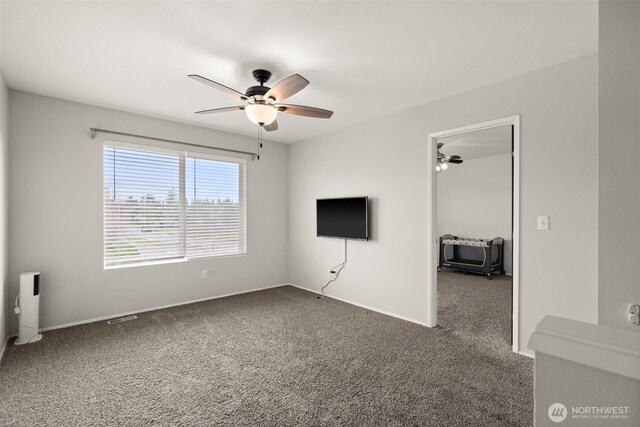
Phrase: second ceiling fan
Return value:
(262, 102)
(442, 163)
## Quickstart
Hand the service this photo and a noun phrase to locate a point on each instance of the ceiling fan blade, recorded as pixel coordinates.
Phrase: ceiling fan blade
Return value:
(221, 110)
(303, 110)
(218, 86)
(271, 126)
(454, 157)
(456, 161)
(440, 144)
(287, 87)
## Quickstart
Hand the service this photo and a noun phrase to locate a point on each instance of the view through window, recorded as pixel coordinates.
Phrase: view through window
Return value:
(163, 204)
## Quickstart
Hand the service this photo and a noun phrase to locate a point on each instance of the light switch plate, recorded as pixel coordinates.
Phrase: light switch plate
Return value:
(543, 223)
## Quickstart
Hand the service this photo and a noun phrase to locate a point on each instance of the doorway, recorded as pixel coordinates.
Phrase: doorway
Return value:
(437, 153)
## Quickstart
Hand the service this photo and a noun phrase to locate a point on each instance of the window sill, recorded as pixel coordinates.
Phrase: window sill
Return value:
(172, 261)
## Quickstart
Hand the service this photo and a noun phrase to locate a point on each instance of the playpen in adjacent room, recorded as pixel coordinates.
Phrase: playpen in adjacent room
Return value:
(483, 256)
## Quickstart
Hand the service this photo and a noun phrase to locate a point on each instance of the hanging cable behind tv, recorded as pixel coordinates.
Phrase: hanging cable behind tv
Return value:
(335, 270)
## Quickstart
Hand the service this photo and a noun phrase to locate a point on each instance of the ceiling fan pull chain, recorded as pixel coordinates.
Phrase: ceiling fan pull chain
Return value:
(259, 140)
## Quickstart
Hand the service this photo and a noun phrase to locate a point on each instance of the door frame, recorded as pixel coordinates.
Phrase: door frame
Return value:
(432, 248)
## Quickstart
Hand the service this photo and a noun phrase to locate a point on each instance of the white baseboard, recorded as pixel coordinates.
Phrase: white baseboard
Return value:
(363, 306)
(128, 313)
(526, 353)
(4, 346)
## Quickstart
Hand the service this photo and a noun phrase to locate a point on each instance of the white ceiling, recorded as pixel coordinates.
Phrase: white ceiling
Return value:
(482, 143)
(364, 59)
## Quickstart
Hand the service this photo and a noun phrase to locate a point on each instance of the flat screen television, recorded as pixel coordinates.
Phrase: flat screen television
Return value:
(345, 218)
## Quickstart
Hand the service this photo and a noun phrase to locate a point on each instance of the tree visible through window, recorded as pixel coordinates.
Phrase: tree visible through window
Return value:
(162, 204)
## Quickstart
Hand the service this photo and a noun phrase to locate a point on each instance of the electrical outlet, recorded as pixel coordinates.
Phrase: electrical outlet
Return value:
(205, 274)
(543, 222)
(634, 314)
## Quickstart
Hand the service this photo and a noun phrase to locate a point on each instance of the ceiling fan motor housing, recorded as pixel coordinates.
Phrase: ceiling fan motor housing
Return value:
(257, 90)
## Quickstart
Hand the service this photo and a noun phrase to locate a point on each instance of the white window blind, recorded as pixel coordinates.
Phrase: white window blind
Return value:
(163, 204)
(215, 212)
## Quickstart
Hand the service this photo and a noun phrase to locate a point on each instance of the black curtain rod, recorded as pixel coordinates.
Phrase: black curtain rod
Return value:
(113, 132)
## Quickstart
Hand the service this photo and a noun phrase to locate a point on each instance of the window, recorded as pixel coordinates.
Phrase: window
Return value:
(165, 204)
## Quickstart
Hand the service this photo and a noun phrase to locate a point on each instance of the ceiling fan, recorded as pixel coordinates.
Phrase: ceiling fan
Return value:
(442, 163)
(263, 102)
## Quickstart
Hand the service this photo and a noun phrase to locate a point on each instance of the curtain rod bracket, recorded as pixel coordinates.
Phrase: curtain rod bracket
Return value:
(93, 133)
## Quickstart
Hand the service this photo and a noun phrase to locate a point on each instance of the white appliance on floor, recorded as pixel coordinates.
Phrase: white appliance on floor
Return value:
(28, 308)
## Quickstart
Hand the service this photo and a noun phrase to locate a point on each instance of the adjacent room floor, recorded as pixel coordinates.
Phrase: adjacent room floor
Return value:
(476, 309)
(278, 357)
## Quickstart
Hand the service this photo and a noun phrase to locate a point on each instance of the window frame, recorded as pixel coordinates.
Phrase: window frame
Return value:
(183, 155)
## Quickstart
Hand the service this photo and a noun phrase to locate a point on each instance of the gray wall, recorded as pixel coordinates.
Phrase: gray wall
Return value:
(618, 160)
(56, 215)
(474, 200)
(386, 160)
(4, 208)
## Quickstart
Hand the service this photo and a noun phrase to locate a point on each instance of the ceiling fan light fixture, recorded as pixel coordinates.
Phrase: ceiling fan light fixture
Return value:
(261, 114)
(444, 166)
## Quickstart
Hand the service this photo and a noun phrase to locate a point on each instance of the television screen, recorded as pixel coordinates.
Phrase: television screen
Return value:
(344, 218)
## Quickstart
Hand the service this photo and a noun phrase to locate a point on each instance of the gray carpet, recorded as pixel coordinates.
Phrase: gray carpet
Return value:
(278, 357)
